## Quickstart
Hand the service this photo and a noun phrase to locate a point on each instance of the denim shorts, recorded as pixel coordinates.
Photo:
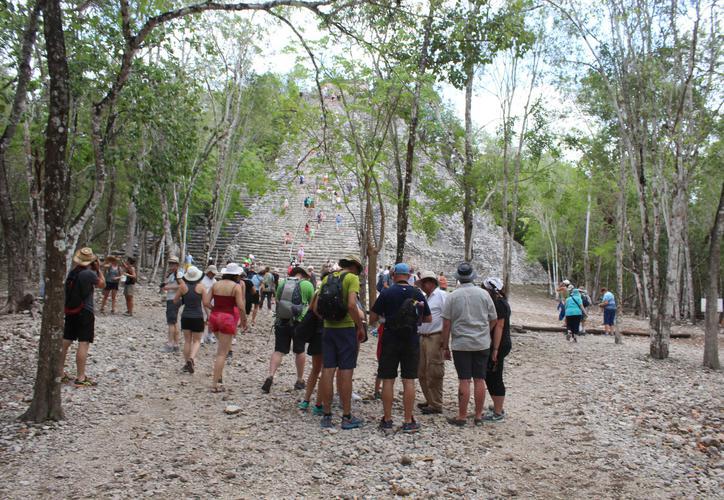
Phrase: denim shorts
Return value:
(609, 315)
(340, 347)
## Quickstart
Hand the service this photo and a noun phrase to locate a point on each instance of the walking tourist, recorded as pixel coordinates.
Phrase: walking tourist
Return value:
(79, 317)
(267, 288)
(468, 314)
(343, 331)
(190, 293)
(432, 364)
(501, 346)
(129, 287)
(207, 282)
(310, 331)
(293, 297)
(227, 312)
(574, 314)
(170, 286)
(403, 307)
(608, 304)
(112, 276)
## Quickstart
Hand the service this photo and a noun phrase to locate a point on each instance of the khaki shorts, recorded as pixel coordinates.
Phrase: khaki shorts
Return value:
(128, 290)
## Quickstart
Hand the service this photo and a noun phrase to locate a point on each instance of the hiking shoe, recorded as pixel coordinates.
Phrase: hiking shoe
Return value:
(175, 348)
(351, 423)
(167, 348)
(191, 366)
(410, 427)
(456, 422)
(185, 367)
(267, 385)
(568, 336)
(318, 410)
(299, 385)
(494, 417)
(377, 396)
(86, 382)
(422, 405)
(575, 340)
(326, 422)
(429, 410)
(385, 425)
(303, 405)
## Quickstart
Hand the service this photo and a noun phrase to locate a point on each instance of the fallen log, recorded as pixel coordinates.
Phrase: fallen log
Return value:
(592, 330)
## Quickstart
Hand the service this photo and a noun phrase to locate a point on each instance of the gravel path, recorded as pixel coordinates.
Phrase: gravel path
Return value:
(583, 420)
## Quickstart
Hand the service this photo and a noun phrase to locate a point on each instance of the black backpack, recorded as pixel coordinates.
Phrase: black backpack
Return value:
(405, 320)
(332, 304)
(73, 294)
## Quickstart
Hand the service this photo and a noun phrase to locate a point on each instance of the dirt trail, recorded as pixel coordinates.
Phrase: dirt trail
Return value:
(583, 420)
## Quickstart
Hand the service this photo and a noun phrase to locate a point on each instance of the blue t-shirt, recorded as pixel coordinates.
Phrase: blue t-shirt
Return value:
(608, 297)
(257, 279)
(390, 300)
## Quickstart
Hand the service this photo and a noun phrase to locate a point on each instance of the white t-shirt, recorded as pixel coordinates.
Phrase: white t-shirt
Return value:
(207, 282)
(436, 301)
(171, 285)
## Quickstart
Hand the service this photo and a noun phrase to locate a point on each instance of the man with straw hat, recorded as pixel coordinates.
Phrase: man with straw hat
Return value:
(432, 364)
(79, 316)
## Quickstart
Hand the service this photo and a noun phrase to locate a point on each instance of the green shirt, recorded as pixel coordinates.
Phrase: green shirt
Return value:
(307, 291)
(350, 284)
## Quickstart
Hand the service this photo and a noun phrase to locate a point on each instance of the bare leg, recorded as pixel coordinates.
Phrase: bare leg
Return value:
(113, 301)
(222, 349)
(64, 354)
(275, 362)
(187, 344)
(313, 378)
(408, 398)
(344, 387)
(463, 398)
(195, 345)
(170, 334)
(81, 356)
(300, 360)
(498, 404)
(105, 299)
(388, 394)
(479, 384)
(253, 314)
(325, 388)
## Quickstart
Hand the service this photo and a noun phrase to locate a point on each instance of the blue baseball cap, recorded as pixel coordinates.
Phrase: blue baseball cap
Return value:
(402, 268)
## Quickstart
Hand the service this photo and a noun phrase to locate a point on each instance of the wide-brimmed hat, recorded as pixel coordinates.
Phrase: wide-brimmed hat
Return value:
(493, 283)
(299, 270)
(429, 275)
(465, 273)
(351, 259)
(193, 273)
(173, 260)
(310, 269)
(211, 269)
(402, 268)
(232, 268)
(112, 259)
(84, 257)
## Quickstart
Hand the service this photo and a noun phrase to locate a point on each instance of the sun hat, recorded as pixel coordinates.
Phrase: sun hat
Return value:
(402, 268)
(429, 275)
(465, 273)
(310, 268)
(211, 269)
(84, 257)
(566, 282)
(193, 273)
(351, 259)
(493, 283)
(232, 268)
(173, 260)
(297, 270)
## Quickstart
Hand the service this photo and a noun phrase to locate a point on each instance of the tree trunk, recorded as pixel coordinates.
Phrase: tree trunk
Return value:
(711, 336)
(131, 226)
(46, 403)
(586, 257)
(110, 218)
(403, 213)
(14, 229)
(620, 244)
(170, 245)
(468, 205)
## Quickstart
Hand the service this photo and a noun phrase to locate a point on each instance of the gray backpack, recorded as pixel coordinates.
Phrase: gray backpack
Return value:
(289, 304)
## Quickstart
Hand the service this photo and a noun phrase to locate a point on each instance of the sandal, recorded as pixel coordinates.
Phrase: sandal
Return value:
(456, 422)
(86, 382)
(65, 379)
(217, 389)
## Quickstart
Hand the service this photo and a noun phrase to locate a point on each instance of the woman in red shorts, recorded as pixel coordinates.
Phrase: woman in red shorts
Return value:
(225, 300)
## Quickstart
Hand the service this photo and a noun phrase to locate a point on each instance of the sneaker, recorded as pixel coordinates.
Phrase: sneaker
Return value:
(385, 425)
(318, 410)
(86, 382)
(299, 385)
(356, 397)
(456, 422)
(185, 367)
(568, 336)
(326, 422)
(167, 348)
(175, 349)
(351, 423)
(191, 365)
(494, 417)
(478, 422)
(422, 405)
(377, 396)
(410, 427)
(429, 410)
(575, 340)
(303, 405)
(267, 385)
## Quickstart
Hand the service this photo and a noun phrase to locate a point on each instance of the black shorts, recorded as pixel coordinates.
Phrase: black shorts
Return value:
(302, 336)
(315, 343)
(396, 353)
(80, 327)
(171, 312)
(471, 364)
(195, 325)
(283, 337)
(112, 285)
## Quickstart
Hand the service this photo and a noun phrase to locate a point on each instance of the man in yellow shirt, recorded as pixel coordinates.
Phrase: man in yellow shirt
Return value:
(343, 331)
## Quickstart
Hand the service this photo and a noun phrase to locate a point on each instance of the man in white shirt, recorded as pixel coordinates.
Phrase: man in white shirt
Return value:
(467, 315)
(432, 365)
